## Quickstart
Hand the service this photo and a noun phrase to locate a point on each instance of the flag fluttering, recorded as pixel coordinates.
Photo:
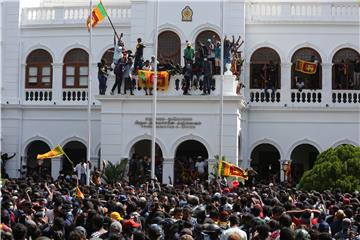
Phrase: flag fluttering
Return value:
(98, 14)
(78, 193)
(53, 153)
(306, 67)
(230, 170)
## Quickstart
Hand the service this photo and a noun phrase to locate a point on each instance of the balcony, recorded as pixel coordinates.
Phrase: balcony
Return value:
(120, 14)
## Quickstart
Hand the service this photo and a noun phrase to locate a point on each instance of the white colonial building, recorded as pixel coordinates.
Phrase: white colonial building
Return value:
(44, 76)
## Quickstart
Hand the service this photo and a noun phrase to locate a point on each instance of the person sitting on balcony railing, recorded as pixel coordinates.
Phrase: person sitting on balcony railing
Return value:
(299, 83)
(208, 74)
(189, 53)
(102, 76)
(139, 52)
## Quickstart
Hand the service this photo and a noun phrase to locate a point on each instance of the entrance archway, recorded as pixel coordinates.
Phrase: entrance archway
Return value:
(37, 168)
(76, 151)
(265, 161)
(303, 158)
(140, 161)
(190, 156)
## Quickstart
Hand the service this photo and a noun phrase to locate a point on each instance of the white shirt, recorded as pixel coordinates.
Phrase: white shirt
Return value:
(200, 167)
(80, 169)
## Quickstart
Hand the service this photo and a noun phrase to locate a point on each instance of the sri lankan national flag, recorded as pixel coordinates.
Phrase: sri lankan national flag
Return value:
(78, 193)
(230, 170)
(305, 67)
(98, 14)
(53, 153)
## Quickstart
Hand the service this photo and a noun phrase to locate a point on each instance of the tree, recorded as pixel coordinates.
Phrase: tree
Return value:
(115, 172)
(335, 168)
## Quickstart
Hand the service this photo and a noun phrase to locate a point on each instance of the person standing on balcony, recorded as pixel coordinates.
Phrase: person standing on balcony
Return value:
(357, 74)
(102, 76)
(139, 52)
(189, 53)
(126, 75)
(119, 68)
(217, 57)
(208, 74)
(187, 78)
(118, 51)
(342, 74)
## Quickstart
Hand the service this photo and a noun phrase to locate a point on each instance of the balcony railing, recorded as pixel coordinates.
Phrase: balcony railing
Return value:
(346, 96)
(70, 15)
(306, 96)
(75, 95)
(38, 95)
(260, 96)
(302, 11)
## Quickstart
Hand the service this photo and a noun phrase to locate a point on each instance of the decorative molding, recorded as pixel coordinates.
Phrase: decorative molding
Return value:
(300, 142)
(266, 141)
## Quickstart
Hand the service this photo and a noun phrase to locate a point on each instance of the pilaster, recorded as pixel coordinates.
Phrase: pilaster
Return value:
(326, 82)
(57, 81)
(285, 83)
(168, 170)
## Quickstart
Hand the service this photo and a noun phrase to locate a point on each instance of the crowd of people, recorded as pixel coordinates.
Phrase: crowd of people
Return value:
(201, 210)
(200, 65)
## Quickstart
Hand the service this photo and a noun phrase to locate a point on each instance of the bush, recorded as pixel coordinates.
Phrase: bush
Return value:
(115, 172)
(335, 168)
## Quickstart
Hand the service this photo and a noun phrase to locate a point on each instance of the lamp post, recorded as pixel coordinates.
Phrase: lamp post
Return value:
(285, 168)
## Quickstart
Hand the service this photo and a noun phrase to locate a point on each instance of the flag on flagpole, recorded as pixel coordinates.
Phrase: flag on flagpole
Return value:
(78, 193)
(230, 170)
(98, 14)
(53, 153)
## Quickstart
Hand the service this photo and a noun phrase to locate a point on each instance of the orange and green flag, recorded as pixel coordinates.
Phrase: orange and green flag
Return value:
(53, 153)
(78, 193)
(98, 14)
(230, 170)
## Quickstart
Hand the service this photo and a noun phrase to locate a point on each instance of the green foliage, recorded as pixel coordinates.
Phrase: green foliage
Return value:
(115, 172)
(335, 168)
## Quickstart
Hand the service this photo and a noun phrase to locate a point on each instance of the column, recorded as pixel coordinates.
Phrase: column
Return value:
(168, 170)
(326, 83)
(55, 167)
(285, 91)
(246, 77)
(57, 80)
(229, 85)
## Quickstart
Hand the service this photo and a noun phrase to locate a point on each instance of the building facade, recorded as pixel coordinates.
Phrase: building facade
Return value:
(44, 75)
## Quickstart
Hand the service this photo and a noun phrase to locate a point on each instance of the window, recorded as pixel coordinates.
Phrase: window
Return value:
(343, 67)
(39, 69)
(311, 81)
(261, 58)
(169, 46)
(76, 69)
(204, 36)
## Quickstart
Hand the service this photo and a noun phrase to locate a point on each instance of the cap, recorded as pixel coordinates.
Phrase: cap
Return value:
(131, 224)
(116, 216)
(346, 201)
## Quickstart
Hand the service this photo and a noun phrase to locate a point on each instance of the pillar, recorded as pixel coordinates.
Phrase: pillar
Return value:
(168, 170)
(55, 167)
(285, 91)
(326, 83)
(57, 80)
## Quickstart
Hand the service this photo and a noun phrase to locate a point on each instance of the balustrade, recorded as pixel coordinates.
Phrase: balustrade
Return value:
(38, 95)
(260, 96)
(306, 96)
(346, 96)
(75, 95)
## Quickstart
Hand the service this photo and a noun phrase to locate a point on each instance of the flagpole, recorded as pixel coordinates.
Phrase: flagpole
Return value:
(154, 107)
(222, 80)
(89, 100)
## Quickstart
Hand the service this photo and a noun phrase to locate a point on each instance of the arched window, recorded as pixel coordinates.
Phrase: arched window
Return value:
(169, 46)
(76, 69)
(265, 65)
(39, 69)
(311, 81)
(108, 56)
(205, 35)
(343, 69)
